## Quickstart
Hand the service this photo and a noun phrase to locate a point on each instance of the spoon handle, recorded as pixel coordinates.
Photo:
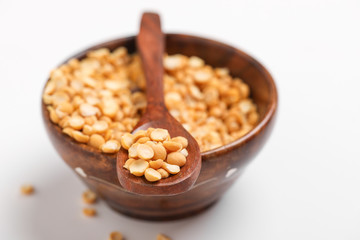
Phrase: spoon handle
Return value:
(150, 44)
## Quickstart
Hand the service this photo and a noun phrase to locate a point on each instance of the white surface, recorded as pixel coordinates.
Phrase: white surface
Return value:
(303, 185)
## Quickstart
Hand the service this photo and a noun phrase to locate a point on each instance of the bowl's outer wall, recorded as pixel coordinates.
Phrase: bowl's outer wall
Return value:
(220, 168)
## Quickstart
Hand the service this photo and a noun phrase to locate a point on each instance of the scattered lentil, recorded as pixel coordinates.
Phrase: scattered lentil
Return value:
(89, 197)
(115, 236)
(27, 189)
(161, 236)
(89, 212)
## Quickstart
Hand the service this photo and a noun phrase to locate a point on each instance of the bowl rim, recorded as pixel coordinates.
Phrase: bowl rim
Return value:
(260, 126)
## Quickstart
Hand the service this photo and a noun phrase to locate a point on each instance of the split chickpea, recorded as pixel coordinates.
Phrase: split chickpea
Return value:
(110, 146)
(157, 157)
(27, 189)
(161, 236)
(119, 236)
(176, 158)
(89, 197)
(152, 175)
(115, 236)
(138, 167)
(89, 212)
(102, 97)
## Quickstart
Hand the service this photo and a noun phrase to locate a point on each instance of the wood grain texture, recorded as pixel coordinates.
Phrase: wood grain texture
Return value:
(150, 44)
(220, 166)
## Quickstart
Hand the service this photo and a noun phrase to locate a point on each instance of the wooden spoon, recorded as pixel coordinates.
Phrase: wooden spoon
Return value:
(150, 45)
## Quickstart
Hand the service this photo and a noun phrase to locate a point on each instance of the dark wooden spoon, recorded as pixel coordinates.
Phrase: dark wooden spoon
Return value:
(150, 45)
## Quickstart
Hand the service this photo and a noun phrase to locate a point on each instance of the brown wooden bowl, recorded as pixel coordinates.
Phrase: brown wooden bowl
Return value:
(220, 166)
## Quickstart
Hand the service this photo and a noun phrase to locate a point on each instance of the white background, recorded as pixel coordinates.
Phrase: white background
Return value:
(305, 184)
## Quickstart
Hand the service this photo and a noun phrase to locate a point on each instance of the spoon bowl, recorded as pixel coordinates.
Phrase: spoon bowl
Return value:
(174, 184)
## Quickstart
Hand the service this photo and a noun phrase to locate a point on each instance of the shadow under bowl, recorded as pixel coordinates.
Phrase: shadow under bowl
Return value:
(220, 166)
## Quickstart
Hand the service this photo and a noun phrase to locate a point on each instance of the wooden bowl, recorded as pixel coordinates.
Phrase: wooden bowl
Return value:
(220, 166)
